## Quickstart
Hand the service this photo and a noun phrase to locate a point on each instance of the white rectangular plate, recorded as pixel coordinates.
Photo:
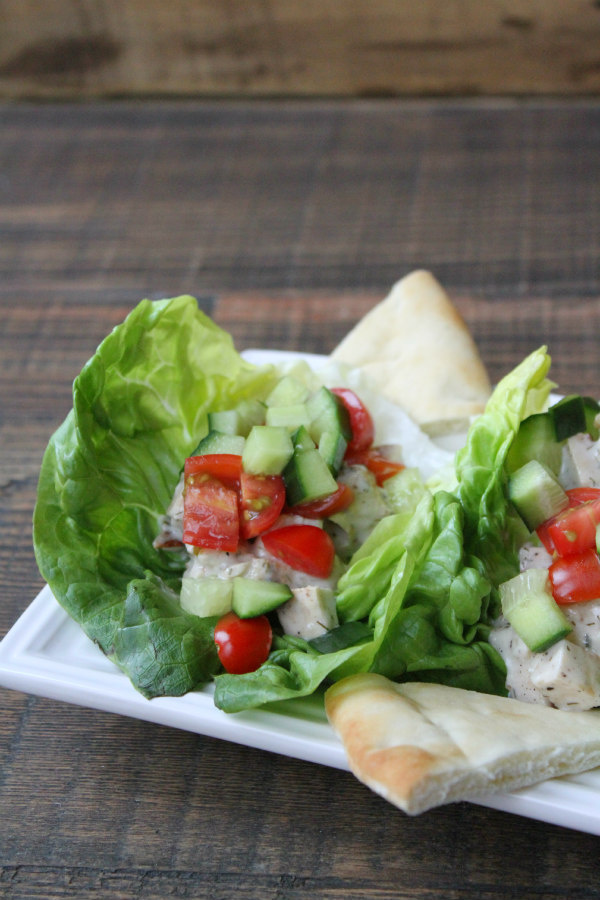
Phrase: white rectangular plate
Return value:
(46, 653)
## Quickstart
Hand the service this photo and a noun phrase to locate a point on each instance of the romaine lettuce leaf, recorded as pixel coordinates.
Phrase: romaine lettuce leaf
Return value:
(139, 408)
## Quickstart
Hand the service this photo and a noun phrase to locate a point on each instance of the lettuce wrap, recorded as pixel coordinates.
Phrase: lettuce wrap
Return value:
(139, 408)
(426, 580)
(418, 597)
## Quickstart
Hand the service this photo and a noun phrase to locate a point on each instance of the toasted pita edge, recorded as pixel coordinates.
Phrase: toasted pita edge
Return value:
(421, 745)
(417, 349)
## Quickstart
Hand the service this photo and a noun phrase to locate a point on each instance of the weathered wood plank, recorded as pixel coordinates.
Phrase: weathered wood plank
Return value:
(91, 48)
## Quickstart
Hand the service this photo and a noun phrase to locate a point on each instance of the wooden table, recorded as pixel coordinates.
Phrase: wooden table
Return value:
(287, 221)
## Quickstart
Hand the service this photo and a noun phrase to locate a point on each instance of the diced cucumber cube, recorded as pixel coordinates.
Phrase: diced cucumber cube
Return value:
(568, 416)
(267, 450)
(536, 494)
(332, 448)
(226, 421)
(239, 420)
(218, 442)
(535, 439)
(528, 604)
(302, 440)
(327, 413)
(290, 417)
(287, 392)
(209, 596)
(307, 477)
(252, 412)
(255, 598)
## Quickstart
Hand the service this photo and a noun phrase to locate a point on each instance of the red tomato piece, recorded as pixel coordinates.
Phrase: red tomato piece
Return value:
(361, 423)
(243, 645)
(381, 467)
(574, 529)
(210, 514)
(226, 467)
(262, 498)
(576, 579)
(326, 506)
(305, 548)
(582, 495)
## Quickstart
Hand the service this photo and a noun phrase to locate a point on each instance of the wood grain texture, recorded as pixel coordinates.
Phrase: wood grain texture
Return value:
(95, 48)
(101, 205)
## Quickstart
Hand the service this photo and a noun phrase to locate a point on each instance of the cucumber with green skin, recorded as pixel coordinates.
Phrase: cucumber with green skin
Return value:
(536, 494)
(256, 598)
(307, 477)
(220, 442)
(239, 420)
(287, 391)
(329, 427)
(542, 435)
(535, 439)
(267, 450)
(528, 605)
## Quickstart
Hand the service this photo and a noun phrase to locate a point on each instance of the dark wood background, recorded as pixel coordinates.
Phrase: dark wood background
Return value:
(288, 221)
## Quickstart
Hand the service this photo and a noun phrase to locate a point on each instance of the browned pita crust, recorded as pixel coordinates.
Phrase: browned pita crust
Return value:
(418, 351)
(421, 745)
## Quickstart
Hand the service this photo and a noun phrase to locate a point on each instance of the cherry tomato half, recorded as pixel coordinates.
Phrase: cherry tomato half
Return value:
(226, 467)
(361, 423)
(242, 644)
(210, 514)
(575, 579)
(262, 498)
(305, 548)
(326, 506)
(574, 529)
(381, 467)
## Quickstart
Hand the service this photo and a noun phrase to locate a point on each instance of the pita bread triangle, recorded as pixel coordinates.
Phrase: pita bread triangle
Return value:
(418, 352)
(421, 745)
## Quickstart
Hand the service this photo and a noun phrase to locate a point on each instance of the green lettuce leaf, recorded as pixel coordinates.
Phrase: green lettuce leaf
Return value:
(425, 624)
(493, 530)
(139, 408)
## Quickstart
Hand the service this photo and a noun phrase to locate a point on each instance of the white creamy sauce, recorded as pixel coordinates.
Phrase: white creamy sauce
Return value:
(221, 564)
(533, 557)
(567, 675)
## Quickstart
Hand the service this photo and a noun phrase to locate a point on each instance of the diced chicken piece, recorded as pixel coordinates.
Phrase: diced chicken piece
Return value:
(567, 675)
(517, 656)
(533, 557)
(309, 613)
(580, 462)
